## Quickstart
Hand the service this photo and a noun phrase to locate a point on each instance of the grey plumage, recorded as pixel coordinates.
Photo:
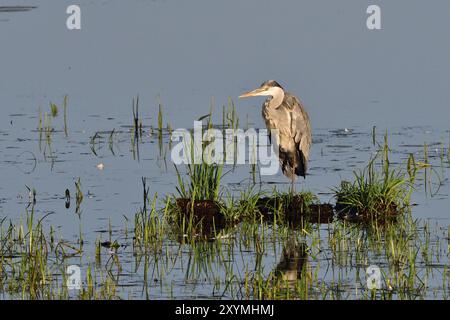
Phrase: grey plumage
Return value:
(284, 111)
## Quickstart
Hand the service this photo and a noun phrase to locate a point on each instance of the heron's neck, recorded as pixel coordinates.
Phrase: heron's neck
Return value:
(277, 97)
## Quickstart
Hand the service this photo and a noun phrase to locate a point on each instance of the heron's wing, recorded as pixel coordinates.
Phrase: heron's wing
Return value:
(300, 128)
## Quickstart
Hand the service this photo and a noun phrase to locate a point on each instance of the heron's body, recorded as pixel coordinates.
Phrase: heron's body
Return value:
(285, 113)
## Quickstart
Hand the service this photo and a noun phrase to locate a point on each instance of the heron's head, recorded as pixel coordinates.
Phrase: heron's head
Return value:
(270, 88)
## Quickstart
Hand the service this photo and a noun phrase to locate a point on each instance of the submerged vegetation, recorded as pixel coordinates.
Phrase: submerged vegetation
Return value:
(374, 194)
(34, 262)
(203, 184)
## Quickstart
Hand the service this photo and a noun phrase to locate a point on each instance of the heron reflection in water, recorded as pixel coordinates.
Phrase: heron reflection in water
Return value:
(285, 113)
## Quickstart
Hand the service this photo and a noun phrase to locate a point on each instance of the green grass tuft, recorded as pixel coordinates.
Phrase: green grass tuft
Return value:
(374, 193)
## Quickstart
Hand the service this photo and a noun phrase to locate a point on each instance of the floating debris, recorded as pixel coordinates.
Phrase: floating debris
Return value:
(204, 214)
(31, 195)
(293, 261)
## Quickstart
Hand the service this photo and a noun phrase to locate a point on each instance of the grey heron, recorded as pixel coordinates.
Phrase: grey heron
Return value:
(285, 113)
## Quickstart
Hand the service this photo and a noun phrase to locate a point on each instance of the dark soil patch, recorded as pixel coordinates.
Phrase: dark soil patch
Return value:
(380, 214)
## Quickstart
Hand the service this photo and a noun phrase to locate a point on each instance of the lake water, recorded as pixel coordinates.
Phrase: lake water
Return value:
(187, 54)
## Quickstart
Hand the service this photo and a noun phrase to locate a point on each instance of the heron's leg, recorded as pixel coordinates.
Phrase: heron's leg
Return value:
(293, 185)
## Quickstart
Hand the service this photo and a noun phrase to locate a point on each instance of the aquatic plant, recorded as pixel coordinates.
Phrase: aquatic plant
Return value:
(93, 143)
(230, 119)
(149, 223)
(111, 141)
(66, 130)
(203, 179)
(78, 196)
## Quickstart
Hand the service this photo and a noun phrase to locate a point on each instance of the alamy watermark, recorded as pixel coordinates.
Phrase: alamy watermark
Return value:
(373, 278)
(229, 146)
(73, 21)
(73, 281)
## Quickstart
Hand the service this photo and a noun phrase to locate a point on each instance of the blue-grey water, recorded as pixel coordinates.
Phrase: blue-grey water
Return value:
(189, 53)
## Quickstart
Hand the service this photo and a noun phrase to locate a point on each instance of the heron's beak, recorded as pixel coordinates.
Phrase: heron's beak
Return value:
(254, 93)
